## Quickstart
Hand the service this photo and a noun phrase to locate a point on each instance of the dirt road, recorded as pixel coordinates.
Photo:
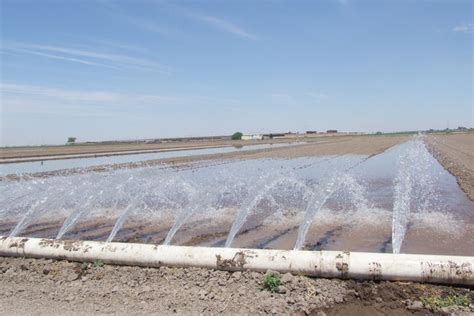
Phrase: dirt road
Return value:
(456, 153)
(45, 287)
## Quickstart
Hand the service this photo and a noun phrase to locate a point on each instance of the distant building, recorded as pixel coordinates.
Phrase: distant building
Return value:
(278, 135)
(311, 132)
(331, 131)
(252, 137)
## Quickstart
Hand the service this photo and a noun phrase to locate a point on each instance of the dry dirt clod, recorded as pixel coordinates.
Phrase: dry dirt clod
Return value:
(73, 276)
(287, 278)
(281, 290)
(237, 275)
(415, 305)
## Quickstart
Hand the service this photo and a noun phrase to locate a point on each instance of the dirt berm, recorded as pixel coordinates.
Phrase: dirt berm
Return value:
(456, 153)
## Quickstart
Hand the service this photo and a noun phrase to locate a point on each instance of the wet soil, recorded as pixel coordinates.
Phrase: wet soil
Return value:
(38, 287)
(261, 232)
(110, 148)
(362, 145)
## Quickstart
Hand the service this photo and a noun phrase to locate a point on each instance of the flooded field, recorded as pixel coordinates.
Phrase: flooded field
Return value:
(401, 200)
(55, 163)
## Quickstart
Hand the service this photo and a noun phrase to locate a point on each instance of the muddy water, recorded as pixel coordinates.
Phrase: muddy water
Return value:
(357, 216)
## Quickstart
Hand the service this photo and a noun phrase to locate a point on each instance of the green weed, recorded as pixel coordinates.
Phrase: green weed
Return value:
(98, 264)
(438, 301)
(271, 282)
(85, 266)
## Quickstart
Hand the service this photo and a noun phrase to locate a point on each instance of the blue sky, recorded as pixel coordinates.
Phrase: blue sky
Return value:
(102, 70)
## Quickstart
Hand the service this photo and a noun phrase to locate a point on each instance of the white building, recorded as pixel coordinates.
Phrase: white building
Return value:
(252, 137)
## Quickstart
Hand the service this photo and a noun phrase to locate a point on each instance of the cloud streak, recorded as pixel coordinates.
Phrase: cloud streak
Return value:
(317, 95)
(226, 26)
(20, 98)
(280, 98)
(464, 28)
(70, 59)
(90, 57)
(139, 22)
(150, 25)
(147, 25)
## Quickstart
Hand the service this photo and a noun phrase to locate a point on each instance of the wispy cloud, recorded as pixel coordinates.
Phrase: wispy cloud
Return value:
(280, 98)
(147, 25)
(115, 45)
(225, 26)
(152, 26)
(465, 28)
(59, 94)
(21, 98)
(90, 57)
(139, 22)
(317, 95)
(75, 60)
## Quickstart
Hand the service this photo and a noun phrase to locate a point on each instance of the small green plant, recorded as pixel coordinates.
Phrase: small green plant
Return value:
(237, 136)
(98, 264)
(438, 301)
(85, 266)
(271, 282)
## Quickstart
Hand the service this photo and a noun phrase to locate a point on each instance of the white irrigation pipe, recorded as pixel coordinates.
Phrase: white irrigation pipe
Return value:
(331, 264)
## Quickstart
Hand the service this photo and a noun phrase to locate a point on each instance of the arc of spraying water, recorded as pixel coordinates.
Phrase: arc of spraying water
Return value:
(411, 165)
(32, 212)
(248, 206)
(317, 202)
(314, 205)
(5, 203)
(26, 217)
(357, 192)
(72, 219)
(121, 220)
(185, 213)
(119, 223)
(182, 218)
(124, 215)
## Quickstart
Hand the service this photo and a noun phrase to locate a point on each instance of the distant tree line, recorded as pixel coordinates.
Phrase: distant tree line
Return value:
(431, 130)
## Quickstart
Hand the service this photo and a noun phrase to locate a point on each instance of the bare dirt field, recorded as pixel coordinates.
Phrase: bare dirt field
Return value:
(363, 145)
(40, 287)
(37, 286)
(35, 151)
(456, 153)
